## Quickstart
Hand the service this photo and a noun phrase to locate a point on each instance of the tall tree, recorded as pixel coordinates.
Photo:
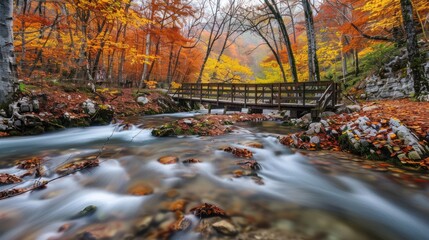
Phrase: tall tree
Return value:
(274, 9)
(313, 63)
(415, 58)
(7, 59)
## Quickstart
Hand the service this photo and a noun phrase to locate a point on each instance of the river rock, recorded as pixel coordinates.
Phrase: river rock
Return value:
(89, 107)
(414, 155)
(88, 211)
(254, 145)
(143, 224)
(306, 118)
(142, 100)
(315, 140)
(110, 230)
(225, 227)
(140, 189)
(36, 105)
(168, 160)
(353, 108)
(327, 114)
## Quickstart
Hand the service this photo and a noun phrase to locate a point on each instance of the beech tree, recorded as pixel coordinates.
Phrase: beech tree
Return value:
(7, 59)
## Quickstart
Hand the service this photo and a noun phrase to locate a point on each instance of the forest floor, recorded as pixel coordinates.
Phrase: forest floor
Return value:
(50, 107)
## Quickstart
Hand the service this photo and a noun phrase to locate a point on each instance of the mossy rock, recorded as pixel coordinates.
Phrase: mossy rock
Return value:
(164, 132)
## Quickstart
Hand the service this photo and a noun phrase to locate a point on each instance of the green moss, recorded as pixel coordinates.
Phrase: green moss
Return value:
(287, 124)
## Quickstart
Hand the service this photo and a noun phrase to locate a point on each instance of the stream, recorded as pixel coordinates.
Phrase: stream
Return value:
(289, 198)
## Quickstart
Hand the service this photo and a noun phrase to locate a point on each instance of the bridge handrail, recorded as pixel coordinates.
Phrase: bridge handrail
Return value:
(305, 93)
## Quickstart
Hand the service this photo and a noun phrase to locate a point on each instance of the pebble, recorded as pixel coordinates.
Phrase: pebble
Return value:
(168, 160)
(225, 227)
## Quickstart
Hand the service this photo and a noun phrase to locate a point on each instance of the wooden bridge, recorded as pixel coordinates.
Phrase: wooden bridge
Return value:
(299, 98)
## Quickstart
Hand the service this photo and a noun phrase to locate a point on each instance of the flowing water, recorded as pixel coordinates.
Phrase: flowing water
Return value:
(289, 197)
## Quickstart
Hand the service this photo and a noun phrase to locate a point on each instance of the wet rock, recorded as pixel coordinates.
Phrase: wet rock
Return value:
(250, 165)
(178, 205)
(254, 145)
(191, 161)
(143, 100)
(110, 230)
(88, 211)
(207, 210)
(270, 234)
(239, 152)
(168, 160)
(226, 228)
(143, 224)
(182, 224)
(140, 189)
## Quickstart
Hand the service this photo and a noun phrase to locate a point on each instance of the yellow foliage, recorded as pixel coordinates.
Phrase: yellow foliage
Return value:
(175, 85)
(227, 70)
(151, 84)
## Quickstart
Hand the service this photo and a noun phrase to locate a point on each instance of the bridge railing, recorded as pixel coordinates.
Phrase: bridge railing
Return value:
(300, 94)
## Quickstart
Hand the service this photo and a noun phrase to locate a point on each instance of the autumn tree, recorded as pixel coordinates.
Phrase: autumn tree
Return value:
(7, 62)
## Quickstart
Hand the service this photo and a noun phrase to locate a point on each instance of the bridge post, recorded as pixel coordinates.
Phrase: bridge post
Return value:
(201, 93)
(209, 108)
(245, 95)
(232, 93)
(254, 111)
(279, 96)
(256, 94)
(217, 100)
(303, 94)
(272, 94)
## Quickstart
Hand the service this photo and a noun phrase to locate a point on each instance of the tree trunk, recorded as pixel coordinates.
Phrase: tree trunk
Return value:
(275, 11)
(148, 46)
(344, 64)
(7, 57)
(122, 58)
(415, 58)
(313, 63)
(356, 61)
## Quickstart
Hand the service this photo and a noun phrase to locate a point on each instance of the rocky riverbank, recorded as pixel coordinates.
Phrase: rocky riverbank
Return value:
(395, 131)
(51, 107)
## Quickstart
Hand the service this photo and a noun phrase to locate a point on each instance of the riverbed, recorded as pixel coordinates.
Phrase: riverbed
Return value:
(290, 197)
